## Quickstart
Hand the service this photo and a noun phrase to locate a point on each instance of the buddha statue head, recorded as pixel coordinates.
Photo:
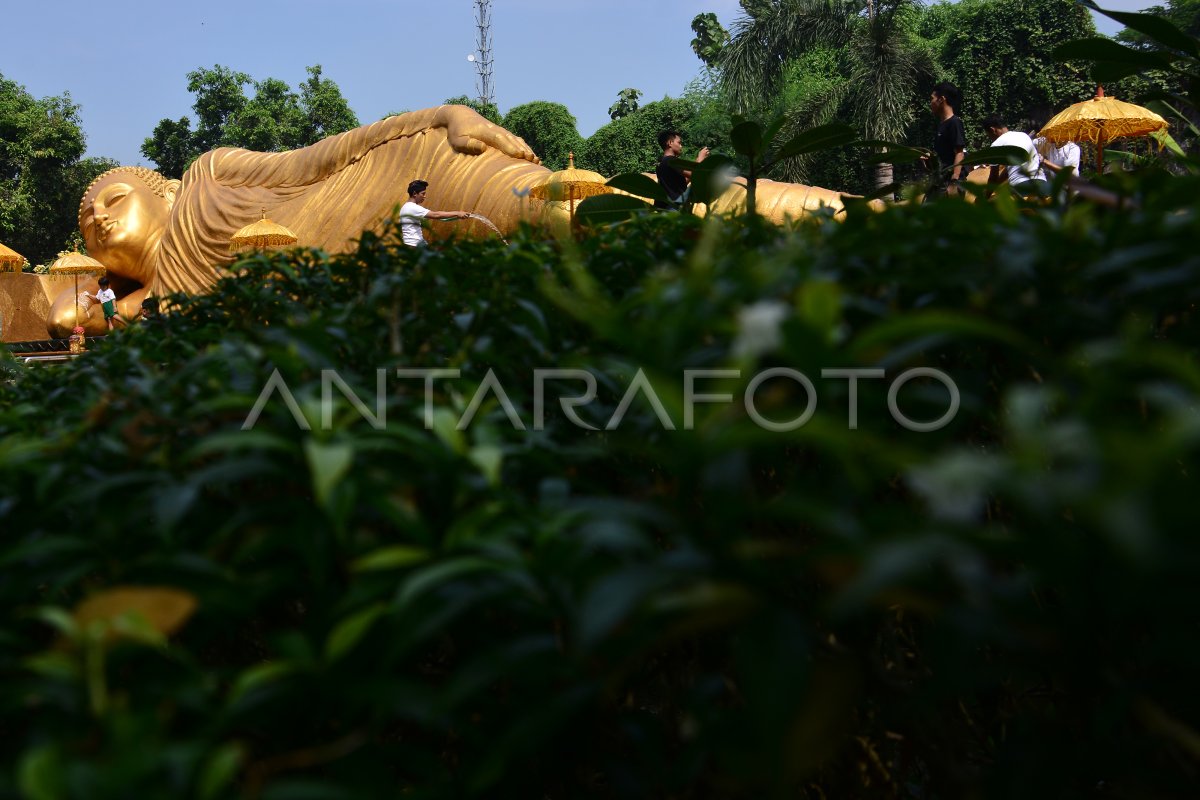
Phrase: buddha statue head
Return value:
(123, 216)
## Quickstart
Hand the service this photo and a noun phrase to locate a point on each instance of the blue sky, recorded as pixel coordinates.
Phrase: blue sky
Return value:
(125, 61)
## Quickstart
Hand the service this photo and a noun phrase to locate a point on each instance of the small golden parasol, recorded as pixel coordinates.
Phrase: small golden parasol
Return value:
(10, 260)
(76, 264)
(571, 184)
(263, 233)
(1100, 120)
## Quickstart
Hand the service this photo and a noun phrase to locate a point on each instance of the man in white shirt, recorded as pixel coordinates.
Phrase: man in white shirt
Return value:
(1058, 157)
(1016, 174)
(412, 212)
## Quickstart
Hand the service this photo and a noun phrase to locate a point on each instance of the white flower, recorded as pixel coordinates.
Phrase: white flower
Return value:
(759, 328)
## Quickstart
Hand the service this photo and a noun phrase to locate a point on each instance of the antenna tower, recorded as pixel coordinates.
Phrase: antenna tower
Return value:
(483, 65)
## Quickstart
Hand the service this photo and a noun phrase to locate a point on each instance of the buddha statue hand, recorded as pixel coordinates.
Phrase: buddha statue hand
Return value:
(468, 132)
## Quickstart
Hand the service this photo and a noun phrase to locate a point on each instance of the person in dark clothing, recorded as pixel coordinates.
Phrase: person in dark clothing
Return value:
(150, 309)
(950, 143)
(674, 181)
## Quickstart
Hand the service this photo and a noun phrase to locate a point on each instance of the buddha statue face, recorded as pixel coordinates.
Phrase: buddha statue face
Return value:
(123, 216)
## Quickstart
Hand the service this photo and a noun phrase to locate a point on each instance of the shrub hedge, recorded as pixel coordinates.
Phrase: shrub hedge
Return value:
(1004, 607)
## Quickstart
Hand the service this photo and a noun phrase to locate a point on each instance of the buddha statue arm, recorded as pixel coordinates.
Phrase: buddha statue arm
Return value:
(778, 202)
(468, 132)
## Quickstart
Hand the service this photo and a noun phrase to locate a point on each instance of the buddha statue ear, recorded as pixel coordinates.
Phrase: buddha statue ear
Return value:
(171, 191)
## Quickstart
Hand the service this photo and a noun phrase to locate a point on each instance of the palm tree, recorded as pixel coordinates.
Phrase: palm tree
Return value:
(881, 63)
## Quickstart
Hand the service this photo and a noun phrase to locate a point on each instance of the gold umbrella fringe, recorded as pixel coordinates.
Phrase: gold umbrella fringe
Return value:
(263, 233)
(10, 260)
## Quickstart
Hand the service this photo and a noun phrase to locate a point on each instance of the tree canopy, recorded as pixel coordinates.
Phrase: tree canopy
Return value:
(276, 118)
(488, 111)
(548, 128)
(42, 172)
(998, 52)
(629, 144)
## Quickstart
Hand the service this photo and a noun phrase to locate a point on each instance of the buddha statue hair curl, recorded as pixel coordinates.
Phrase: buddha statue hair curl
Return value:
(154, 181)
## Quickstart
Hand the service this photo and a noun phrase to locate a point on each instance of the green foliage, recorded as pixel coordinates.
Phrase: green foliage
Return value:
(812, 87)
(271, 122)
(817, 63)
(711, 37)
(993, 609)
(629, 144)
(326, 111)
(488, 111)
(42, 175)
(1159, 65)
(627, 103)
(219, 97)
(709, 120)
(172, 146)
(275, 119)
(999, 53)
(1183, 14)
(548, 128)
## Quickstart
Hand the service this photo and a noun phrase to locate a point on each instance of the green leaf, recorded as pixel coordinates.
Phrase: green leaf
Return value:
(883, 191)
(937, 323)
(58, 618)
(893, 153)
(328, 462)
(613, 598)
(219, 771)
(350, 630)
(773, 129)
(54, 664)
(1097, 48)
(231, 441)
(683, 164)
(430, 577)
(489, 459)
(40, 774)
(820, 305)
(823, 137)
(747, 139)
(1104, 72)
(709, 179)
(638, 184)
(1156, 27)
(445, 426)
(259, 675)
(393, 557)
(608, 209)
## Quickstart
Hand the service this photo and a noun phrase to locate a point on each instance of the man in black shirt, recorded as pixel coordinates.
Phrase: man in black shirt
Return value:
(673, 181)
(950, 144)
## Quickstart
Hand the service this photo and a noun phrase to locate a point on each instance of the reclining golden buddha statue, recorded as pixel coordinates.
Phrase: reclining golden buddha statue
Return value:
(157, 236)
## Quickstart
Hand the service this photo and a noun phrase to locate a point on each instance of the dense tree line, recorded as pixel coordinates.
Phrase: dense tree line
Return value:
(42, 171)
(276, 118)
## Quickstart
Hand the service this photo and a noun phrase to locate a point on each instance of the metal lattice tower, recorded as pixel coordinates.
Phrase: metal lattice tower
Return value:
(483, 63)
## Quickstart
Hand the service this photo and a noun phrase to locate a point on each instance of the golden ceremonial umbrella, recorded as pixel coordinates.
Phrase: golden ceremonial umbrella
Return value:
(571, 184)
(10, 260)
(263, 233)
(76, 264)
(1100, 120)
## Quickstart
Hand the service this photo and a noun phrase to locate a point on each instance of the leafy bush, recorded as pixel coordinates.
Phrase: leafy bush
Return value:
(630, 144)
(549, 128)
(998, 52)
(488, 111)
(1002, 607)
